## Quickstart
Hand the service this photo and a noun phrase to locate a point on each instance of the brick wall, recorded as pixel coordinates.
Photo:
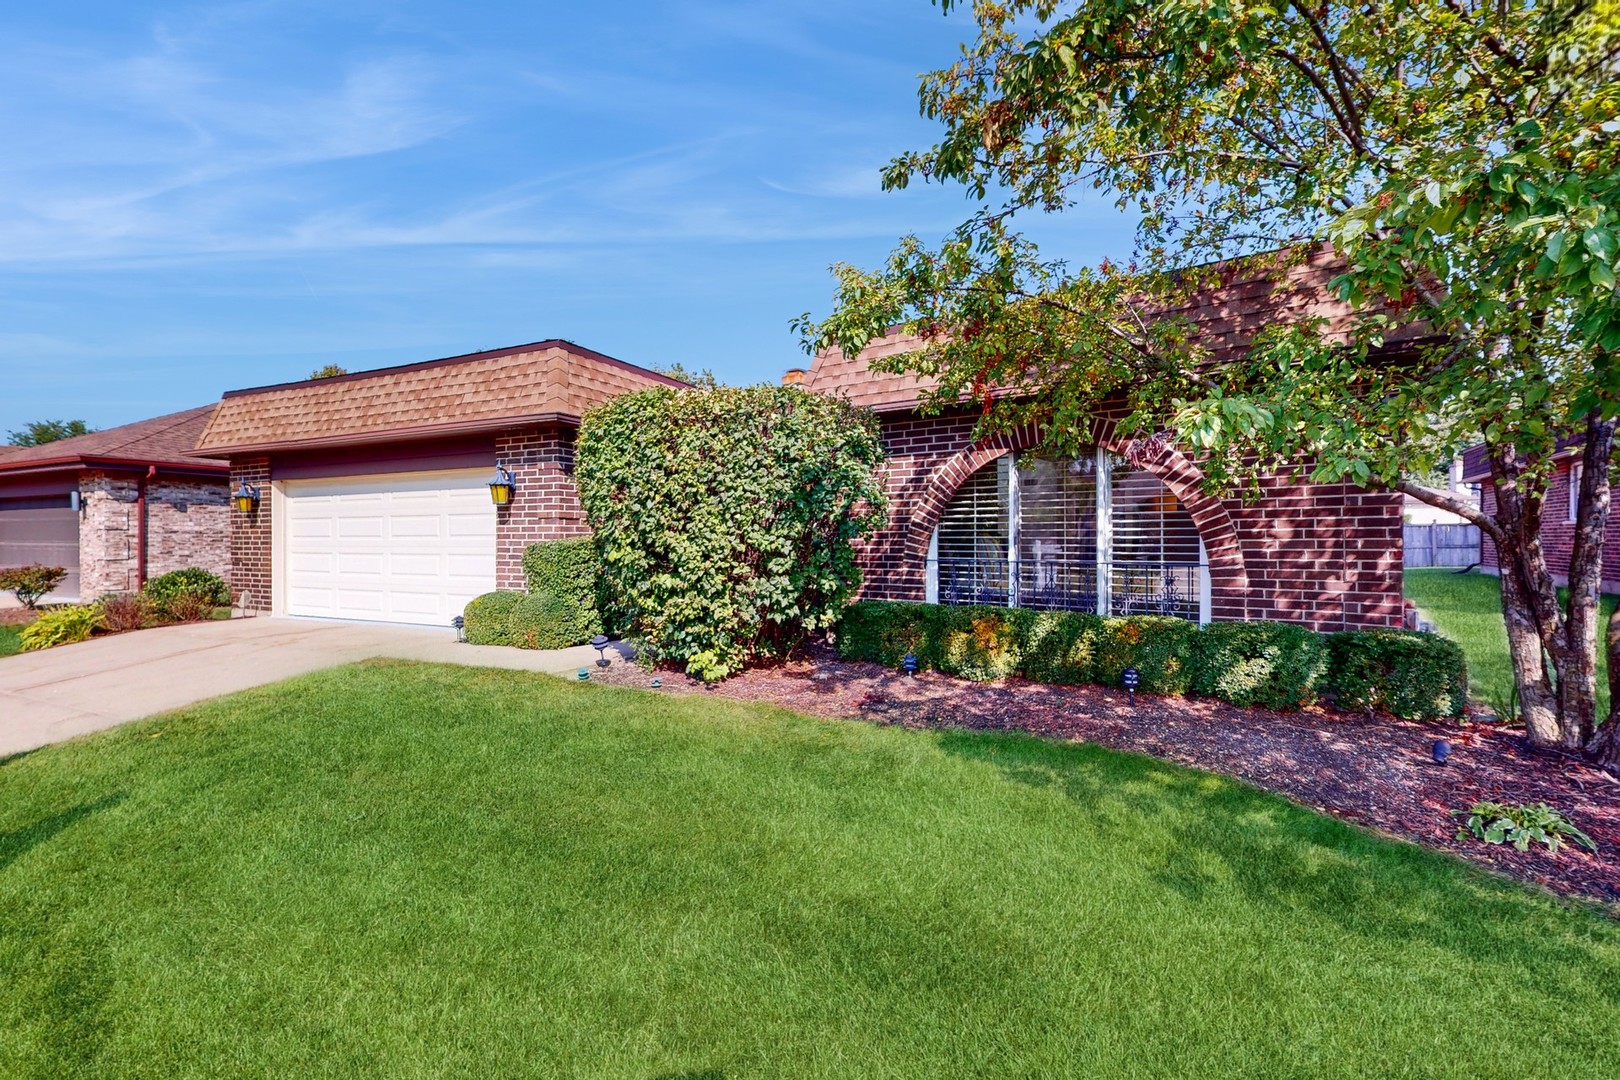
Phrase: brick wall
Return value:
(1557, 533)
(250, 536)
(545, 505)
(1328, 556)
(185, 526)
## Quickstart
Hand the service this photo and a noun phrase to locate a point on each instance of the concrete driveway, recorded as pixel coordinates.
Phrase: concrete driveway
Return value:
(55, 694)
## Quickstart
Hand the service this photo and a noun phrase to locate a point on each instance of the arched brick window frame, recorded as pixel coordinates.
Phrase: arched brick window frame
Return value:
(1228, 576)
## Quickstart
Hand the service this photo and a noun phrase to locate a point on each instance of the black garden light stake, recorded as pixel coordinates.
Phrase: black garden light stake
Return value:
(1130, 678)
(460, 623)
(600, 644)
(908, 664)
(1442, 751)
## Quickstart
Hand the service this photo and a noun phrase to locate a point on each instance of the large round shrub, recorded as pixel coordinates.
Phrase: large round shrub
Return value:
(725, 517)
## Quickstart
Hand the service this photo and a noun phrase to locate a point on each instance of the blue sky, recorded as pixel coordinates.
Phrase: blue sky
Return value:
(200, 197)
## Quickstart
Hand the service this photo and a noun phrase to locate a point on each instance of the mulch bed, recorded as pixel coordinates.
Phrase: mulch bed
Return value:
(1376, 771)
(15, 615)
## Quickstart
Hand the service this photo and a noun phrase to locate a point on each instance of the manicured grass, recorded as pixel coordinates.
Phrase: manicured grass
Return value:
(10, 638)
(1467, 608)
(411, 870)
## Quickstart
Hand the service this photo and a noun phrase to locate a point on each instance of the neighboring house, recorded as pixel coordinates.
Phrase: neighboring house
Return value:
(1558, 515)
(1417, 512)
(373, 489)
(1126, 528)
(115, 507)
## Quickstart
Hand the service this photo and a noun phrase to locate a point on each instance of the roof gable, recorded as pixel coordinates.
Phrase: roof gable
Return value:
(548, 380)
(1226, 316)
(162, 440)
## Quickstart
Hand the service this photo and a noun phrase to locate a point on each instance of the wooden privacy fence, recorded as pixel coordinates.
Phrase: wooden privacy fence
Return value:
(1441, 545)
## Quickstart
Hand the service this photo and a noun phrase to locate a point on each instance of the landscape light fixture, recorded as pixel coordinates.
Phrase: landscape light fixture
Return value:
(1442, 751)
(908, 664)
(583, 675)
(460, 623)
(656, 683)
(501, 488)
(246, 498)
(600, 644)
(1130, 678)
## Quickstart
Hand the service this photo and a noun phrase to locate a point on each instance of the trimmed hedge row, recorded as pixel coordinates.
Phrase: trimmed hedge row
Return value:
(559, 610)
(1275, 665)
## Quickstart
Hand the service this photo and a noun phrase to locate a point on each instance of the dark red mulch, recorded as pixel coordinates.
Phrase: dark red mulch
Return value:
(9, 615)
(1374, 771)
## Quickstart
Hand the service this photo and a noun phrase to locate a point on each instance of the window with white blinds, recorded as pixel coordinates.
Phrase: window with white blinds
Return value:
(1084, 535)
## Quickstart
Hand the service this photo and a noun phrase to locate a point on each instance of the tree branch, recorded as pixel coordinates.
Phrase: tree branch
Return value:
(1452, 502)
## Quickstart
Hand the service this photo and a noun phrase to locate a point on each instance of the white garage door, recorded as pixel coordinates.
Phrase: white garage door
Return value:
(412, 547)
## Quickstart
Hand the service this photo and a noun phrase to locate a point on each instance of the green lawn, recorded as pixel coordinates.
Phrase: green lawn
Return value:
(1467, 608)
(418, 871)
(10, 639)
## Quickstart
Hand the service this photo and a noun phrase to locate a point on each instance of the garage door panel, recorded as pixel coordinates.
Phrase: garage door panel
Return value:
(45, 530)
(400, 548)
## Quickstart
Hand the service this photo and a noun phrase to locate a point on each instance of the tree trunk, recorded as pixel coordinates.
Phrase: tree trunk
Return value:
(1604, 748)
(1529, 597)
(1577, 671)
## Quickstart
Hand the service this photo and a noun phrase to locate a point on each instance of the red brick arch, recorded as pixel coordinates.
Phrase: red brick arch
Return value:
(1229, 578)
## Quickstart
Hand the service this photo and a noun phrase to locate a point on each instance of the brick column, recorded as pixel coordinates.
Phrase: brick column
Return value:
(545, 505)
(250, 536)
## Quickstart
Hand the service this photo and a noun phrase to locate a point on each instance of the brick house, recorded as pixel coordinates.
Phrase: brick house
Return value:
(1126, 529)
(1558, 517)
(373, 489)
(118, 506)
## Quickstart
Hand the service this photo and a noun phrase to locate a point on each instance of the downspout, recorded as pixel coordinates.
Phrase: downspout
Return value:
(140, 527)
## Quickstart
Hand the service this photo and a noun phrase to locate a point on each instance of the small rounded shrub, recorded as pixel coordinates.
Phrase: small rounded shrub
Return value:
(181, 594)
(981, 644)
(1274, 664)
(60, 626)
(1157, 646)
(486, 622)
(544, 621)
(1407, 673)
(29, 583)
(1062, 647)
(121, 611)
(569, 571)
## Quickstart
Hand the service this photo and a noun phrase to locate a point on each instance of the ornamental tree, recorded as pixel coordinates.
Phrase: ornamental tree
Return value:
(1460, 157)
(726, 518)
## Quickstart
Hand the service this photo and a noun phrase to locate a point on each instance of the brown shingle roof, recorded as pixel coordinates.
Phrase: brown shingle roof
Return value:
(548, 380)
(1226, 315)
(162, 440)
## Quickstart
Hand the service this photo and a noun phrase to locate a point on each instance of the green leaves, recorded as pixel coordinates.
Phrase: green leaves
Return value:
(726, 518)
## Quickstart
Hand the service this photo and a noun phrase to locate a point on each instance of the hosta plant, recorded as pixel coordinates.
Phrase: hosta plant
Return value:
(1520, 825)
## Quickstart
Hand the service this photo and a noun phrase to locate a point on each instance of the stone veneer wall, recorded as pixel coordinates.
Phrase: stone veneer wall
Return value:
(1328, 556)
(250, 536)
(185, 526)
(545, 505)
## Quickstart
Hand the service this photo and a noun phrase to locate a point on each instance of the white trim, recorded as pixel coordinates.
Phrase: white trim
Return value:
(278, 548)
(1015, 511)
(1105, 532)
(1203, 584)
(931, 570)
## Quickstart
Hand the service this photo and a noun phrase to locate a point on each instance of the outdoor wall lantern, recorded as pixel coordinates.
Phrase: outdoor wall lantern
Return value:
(246, 498)
(1130, 678)
(600, 644)
(500, 488)
(460, 623)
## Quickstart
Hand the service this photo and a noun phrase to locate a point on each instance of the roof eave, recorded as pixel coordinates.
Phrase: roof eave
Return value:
(419, 433)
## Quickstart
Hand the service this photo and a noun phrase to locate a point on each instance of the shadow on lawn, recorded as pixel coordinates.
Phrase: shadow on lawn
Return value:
(18, 842)
(1227, 837)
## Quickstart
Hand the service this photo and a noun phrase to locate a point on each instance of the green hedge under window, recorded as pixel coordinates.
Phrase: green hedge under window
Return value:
(1276, 665)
